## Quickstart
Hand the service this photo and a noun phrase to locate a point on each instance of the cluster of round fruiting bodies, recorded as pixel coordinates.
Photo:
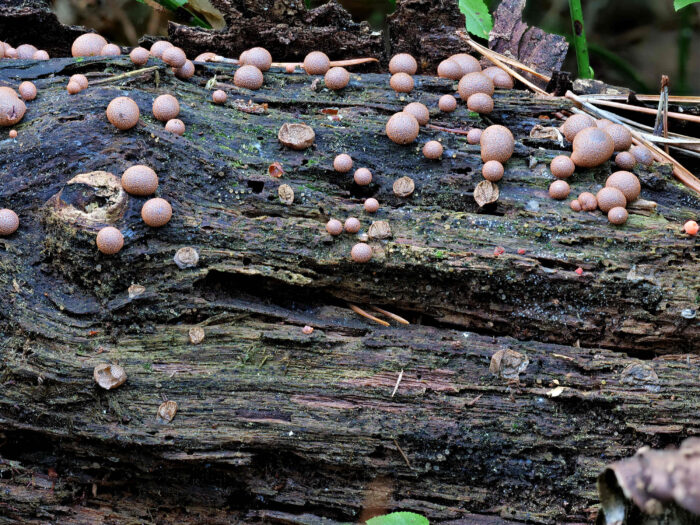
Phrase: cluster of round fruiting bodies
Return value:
(123, 113)
(22, 52)
(594, 143)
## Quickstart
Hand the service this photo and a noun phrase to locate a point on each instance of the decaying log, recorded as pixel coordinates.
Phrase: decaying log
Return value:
(277, 425)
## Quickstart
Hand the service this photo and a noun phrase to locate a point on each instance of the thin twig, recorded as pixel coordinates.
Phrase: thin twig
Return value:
(395, 317)
(134, 73)
(398, 381)
(448, 130)
(639, 109)
(405, 458)
(361, 312)
(676, 99)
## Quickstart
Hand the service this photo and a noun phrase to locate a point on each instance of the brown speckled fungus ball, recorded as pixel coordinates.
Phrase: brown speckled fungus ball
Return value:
(432, 150)
(158, 47)
(466, 62)
(73, 88)
(219, 96)
(123, 113)
(186, 71)
(492, 170)
(27, 90)
(419, 111)
(174, 56)
(156, 212)
(175, 126)
(447, 103)
(109, 240)
(609, 198)
(497, 143)
(575, 205)
(592, 147)
(249, 77)
(474, 83)
(79, 79)
(618, 215)
(401, 82)
(258, 57)
(588, 201)
(139, 55)
(559, 189)
(403, 63)
(166, 107)
(140, 180)
(621, 136)
(449, 69)
(26, 51)
(480, 103)
(41, 55)
(336, 78)
(9, 222)
(13, 133)
(626, 182)
(334, 227)
(361, 252)
(362, 176)
(501, 79)
(371, 205)
(402, 128)
(576, 123)
(88, 45)
(643, 155)
(562, 167)
(352, 225)
(316, 63)
(111, 50)
(625, 160)
(342, 163)
(474, 136)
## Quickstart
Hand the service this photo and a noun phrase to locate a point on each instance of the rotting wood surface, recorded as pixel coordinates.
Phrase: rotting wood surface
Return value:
(275, 425)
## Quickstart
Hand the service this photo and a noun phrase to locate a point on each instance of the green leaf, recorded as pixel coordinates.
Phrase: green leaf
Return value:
(479, 21)
(399, 518)
(680, 4)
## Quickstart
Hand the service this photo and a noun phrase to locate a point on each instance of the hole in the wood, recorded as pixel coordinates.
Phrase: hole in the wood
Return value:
(256, 185)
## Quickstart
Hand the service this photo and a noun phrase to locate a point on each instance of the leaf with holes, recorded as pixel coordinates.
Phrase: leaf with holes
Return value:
(399, 518)
(479, 22)
(680, 4)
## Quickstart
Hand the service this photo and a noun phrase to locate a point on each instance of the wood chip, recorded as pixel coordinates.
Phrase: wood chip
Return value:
(404, 186)
(286, 194)
(486, 192)
(379, 230)
(167, 411)
(196, 335)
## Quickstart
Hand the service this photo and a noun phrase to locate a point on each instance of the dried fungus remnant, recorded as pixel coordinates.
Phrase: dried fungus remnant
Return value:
(196, 335)
(404, 187)
(123, 113)
(109, 376)
(486, 192)
(166, 411)
(296, 136)
(186, 257)
(508, 364)
(286, 194)
(379, 230)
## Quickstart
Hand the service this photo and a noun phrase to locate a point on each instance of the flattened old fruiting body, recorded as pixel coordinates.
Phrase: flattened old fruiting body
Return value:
(296, 136)
(12, 109)
(109, 376)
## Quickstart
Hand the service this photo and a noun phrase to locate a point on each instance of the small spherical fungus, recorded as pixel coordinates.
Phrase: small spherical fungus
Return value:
(474, 135)
(9, 222)
(592, 147)
(447, 103)
(497, 143)
(13, 133)
(249, 77)
(8, 91)
(361, 252)
(492, 170)
(176, 126)
(109, 240)
(186, 71)
(159, 47)
(342, 163)
(258, 57)
(432, 150)
(205, 57)
(576, 123)
(88, 45)
(618, 215)
(467, 63)
(562, 167)
(166, 107)
(10, 52)
(307, 330)
(27, 90)
(588, 201)
(362, 176)
(139, 55)
(109, 376)
(316, 63)
(174, 56)
(79, 79)
(691, 228)
(41, 55)
(111, 50)
(12, 109)
(336, 78)
(643, 155)
(621, 136)
(402, 128)
(625, 160)
(156, 212)
(501, 79)
(603, 123)
(626, 182)
(480, 103)
(609, 198)
(474, 83)
(401, 82)
(296, 136)
(575, 205)
(352, 225)
(403, 63)
(73, 88)
(26, 51)
(140, 180)
(334, 227)
(289, 68)
(559, 189)
(219, 96)
(123, 113)
(371, 205)
(419, 111)
(450, 69)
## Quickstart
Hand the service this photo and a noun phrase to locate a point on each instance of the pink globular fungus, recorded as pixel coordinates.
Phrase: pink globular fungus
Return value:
(122, 113)
(432, 150)
(219, 96)
(9, 222)
(156, 212)
(362, 177)
(361, 252)
(109, 240)
(166, 107)
(352, 225)
(447, 103)
(342, 163)
(334, 227)
(371, 205)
